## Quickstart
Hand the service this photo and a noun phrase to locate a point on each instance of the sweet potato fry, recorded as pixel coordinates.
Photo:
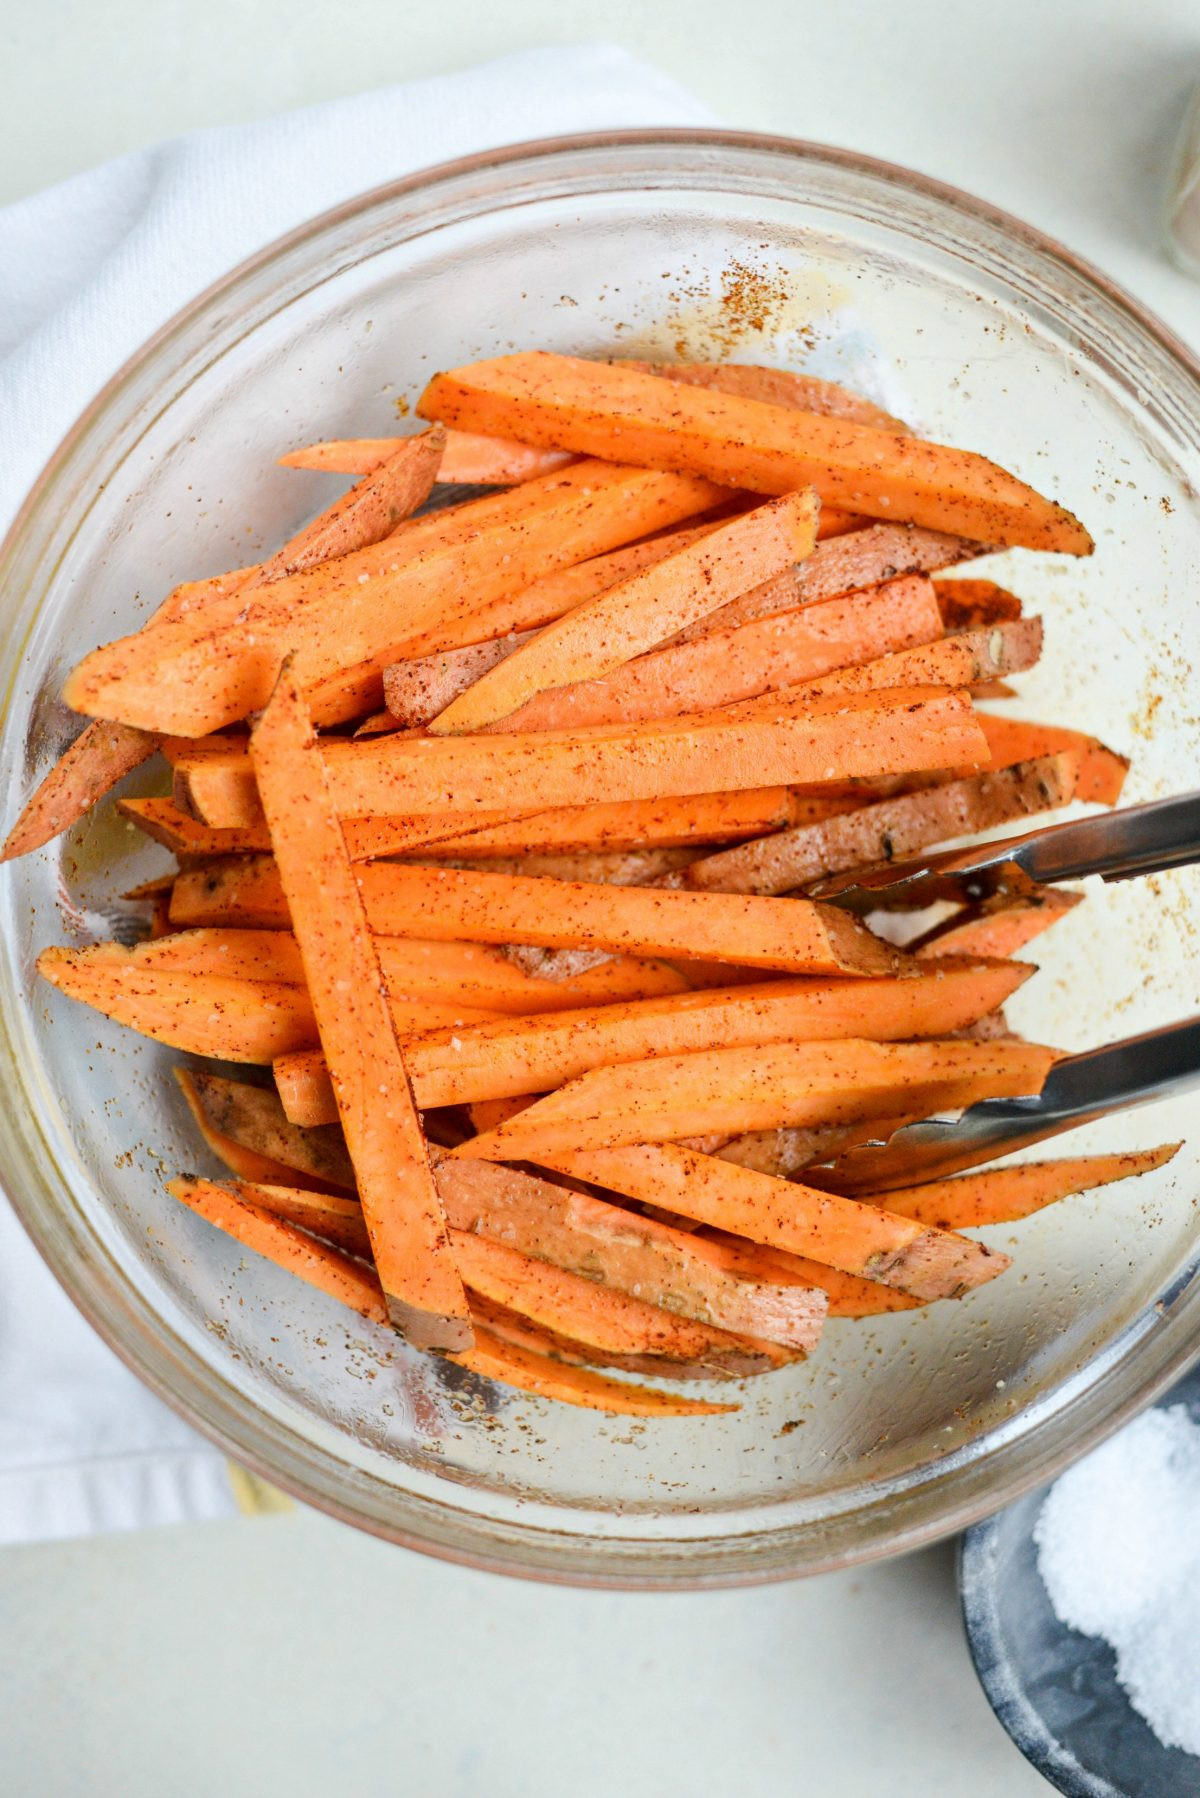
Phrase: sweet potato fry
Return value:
(423, 682)
(596, 409)
(786, 1152)
(354, 1283)
(333, 1217)
(425, 1299)
(532, 1055)
(513, 1327)
(1005, 1194)
(781, 650)
(100, 756)
(243, 891)
(252, 1117)
(513, 1365)
(963, 660)
(105, 752)
(604, 867)
(304, 1088)
(185, 836)
(999, 927)
(623, 1330)
(450, 904)
(892, 828)
(777, 386)
(633, 1254)
(231, 1018)
(863, 558)
(467, 459)
(967, 604)
(235, 1020)
(810, 742)
(1101, 770)
(242, 1158)
(448, 974)
(847, 1295)
(760, 1088)
(897, 1251)
(627, 825)
(630, 618)
(192, 677)
(370, 511)
(318, 1263)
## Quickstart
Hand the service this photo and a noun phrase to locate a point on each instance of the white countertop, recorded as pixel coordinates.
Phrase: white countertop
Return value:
(286, 1653)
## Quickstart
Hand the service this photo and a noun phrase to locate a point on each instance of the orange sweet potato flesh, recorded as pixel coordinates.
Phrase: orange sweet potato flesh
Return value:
(191, 677)
(305, 1093)
(334, 1218)
(919, 1258)
(780, 650)
(467, 459)
(763, 1087)
(1101, 770)
(1006, 1194)
(633, 1254)
(1000, 927)
(847, 1295)
(778, 386)
(798, 937)
(318, 1263)
(228, 1016)
(235, 1019)
(804, 742)
(890, 829)
(253, 1118)
(425, 1298)
(635, 615)
(369, 512)
(858, 559)
(451, 974)
(100, 756)
(513, 1365)
(183, 835)
(968, 659)
(670, 823)
(599, 410)
(454, 904)
(512, 1326)
(532, 1055)
(105, 752)
(430, 676)
(395, 486)
(613, 1324)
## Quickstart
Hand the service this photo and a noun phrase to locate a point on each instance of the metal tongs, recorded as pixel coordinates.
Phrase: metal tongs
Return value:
(1142, 839)
(1145, 839)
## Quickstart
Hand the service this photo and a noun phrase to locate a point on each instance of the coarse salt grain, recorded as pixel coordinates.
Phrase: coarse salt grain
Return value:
(1118, 1542)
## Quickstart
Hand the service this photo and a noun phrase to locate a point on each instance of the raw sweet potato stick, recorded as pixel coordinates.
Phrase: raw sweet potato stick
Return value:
(915, 1256)
(630, 618)
(898, 730)
(425, 1299)
(762, 1087)
(599, 410)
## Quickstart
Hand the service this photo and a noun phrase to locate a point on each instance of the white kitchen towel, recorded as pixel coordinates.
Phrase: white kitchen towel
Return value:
(87, 271)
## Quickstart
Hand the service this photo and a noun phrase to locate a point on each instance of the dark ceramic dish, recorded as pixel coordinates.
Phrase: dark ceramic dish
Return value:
(1054, 1690)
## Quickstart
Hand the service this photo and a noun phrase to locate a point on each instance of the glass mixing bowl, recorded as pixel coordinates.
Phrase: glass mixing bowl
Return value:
(682, 243)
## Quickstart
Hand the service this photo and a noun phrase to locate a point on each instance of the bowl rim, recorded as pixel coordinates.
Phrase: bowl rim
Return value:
(662, 1569)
